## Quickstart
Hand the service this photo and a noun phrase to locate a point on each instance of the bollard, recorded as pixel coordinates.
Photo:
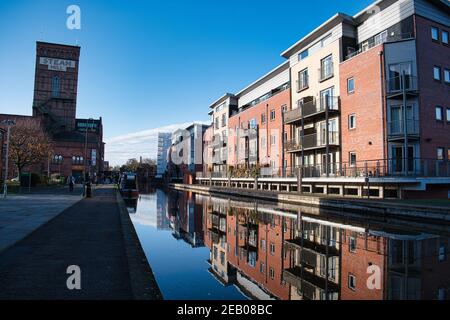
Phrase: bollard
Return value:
(88, 190)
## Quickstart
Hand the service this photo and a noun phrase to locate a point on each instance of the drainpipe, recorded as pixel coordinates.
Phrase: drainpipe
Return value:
(405, 129)
(283, 172)
(327, 132)
(383, 109)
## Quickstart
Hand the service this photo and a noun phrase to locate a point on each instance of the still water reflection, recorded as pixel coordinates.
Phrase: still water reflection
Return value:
(204, 247)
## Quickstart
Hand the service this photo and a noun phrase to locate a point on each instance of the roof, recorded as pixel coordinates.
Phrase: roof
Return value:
(310, 37)
(277, 70)
(221, 99)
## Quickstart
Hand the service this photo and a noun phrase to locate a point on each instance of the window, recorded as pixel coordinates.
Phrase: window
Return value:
(352, 158)
(448, 114)
(262, 244)
(442, 294)
(444, 37)
(285, 135)
(351, 281)
(272, 248)
(448, 157)
(352, 244)
(263, 118)
(273, 139)
(272, 163)
(352, 121)
(442, 255)
(350, 85)
(302, 55)
(302, 80)
(437, 73)
(326, 68)
(55, 87)
(434, 34)
(440, 153)
(77, 160)
(439, 113)
(262, 267)
(57, 159)
(283, 108)
(272, 114)
(272, 273)
(216, 123)
(447, 75)
(224, 120)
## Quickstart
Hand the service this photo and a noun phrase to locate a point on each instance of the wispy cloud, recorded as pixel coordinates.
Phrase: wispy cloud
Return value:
(133, 145)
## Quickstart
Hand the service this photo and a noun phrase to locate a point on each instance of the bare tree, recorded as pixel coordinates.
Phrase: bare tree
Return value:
(29, 144)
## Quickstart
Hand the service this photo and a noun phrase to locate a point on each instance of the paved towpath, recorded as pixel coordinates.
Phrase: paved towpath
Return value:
(21, 214)
(87, 234)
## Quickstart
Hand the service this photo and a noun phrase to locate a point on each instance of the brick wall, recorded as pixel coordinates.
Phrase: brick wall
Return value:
(267, 152)
(366, 102)
(434, 133)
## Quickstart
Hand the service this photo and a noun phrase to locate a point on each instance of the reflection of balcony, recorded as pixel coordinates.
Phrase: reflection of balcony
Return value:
(396, 128)
(312, 141)
(312, 109)
(322, 249)
(309, 283)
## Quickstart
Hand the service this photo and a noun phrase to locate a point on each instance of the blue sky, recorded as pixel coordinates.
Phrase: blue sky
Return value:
(146, 64)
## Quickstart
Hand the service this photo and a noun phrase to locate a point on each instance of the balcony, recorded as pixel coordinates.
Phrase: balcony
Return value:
(326, 71)
(395, 86)
(396, 129)
(313, 109)
(312, 141)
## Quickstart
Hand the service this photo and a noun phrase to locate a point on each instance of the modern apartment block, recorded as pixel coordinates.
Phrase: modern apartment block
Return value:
(257, 132)
(164, 143)
(396, 90)
(314, 121)
(220, 113)
(186, 152)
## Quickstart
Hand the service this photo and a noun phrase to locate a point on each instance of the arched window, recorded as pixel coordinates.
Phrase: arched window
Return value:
(55, 87)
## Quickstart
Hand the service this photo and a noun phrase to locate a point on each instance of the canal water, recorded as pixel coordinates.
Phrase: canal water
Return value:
(207, 247)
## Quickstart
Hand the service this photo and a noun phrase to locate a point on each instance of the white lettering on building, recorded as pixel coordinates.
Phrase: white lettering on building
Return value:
(57, 64)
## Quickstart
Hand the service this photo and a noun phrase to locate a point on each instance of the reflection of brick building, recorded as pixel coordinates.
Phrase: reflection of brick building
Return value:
(256, 249)
(77, 144)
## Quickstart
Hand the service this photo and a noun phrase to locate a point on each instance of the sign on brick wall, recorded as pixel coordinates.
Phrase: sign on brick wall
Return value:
(57, 64)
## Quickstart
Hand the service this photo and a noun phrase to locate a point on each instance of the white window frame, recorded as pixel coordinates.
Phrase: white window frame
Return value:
(350, 117)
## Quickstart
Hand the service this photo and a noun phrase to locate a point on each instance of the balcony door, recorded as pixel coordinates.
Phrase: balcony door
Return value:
(398, 157)
(397, 123)
(395, 74)
(326, 98)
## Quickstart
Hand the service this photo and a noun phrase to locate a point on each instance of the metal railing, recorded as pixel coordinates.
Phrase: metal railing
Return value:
(392, 167)
(377, 41)
(397, 127)
(396, 84)
(312, 141)
(312, 107)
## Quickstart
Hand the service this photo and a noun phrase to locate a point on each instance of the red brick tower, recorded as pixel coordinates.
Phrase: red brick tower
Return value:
(55, 85)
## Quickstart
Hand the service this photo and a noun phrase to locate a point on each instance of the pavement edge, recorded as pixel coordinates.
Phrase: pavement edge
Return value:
(142, 279)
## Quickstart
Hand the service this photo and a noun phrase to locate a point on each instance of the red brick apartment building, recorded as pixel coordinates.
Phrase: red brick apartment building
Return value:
(257, 133)
(77, 144)
(375, 126)
(349, 79)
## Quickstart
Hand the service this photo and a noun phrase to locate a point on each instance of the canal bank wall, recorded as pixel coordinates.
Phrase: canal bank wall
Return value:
(142, 279)
(374, 207)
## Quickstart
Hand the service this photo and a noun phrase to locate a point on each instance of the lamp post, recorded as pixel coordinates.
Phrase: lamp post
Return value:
(9, 124)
